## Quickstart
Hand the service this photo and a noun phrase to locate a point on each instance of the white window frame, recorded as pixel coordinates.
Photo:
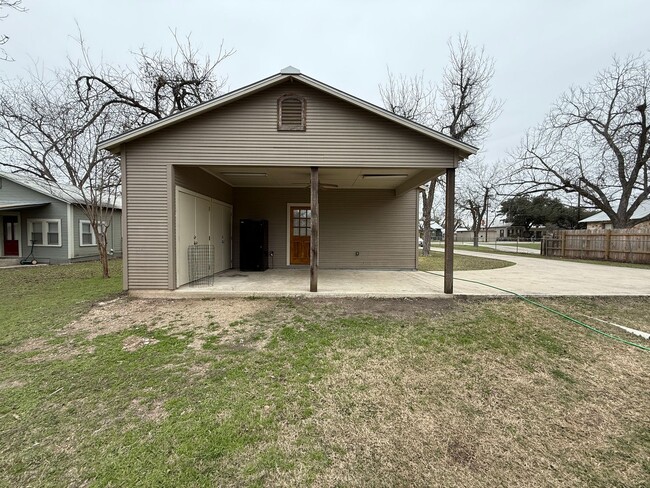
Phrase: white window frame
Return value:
(44, 226)
(93, 237)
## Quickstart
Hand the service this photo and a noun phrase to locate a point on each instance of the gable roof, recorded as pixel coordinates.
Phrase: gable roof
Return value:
(289, 73)
(642, 211)
(62, 192)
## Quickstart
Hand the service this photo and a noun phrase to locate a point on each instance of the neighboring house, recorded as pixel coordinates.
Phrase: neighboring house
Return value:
(32, 210)
(190, 179)
(501, 230)
(602, 221)
(437, 232)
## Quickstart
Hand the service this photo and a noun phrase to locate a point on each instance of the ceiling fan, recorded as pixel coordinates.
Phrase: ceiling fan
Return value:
(321, 186)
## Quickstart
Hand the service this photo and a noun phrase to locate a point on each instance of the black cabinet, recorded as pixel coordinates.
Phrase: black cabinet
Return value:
(253, 245)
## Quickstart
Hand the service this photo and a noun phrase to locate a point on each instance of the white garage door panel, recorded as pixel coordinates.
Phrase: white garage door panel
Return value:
(185, 223)
(215, 237)
(201, 220)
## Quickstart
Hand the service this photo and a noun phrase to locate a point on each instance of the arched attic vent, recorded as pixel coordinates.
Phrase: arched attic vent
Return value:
(292, 113)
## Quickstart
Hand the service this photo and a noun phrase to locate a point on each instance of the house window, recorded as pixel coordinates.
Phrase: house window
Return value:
(44, 232)
(86, 234)
(291, 113)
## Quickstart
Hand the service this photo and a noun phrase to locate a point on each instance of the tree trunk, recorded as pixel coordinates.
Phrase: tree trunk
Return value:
(103, 256)
(102, 245)
(427, 206)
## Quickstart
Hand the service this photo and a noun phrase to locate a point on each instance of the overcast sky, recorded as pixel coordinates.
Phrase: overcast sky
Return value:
(540, 47)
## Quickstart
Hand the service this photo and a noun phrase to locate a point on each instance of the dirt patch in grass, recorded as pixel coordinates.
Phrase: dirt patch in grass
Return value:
(152, 411)
(395, 308)
(228, 319)
(5, 385)
(45, 351)
(133, 343)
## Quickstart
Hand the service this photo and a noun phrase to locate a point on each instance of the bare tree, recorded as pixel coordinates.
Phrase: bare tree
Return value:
(11, 5)
(465, 107)
(595, 142)
(46, 133)
(158, 86)
(477, 192)
(462, 106)
(408, 97)
(50, 127)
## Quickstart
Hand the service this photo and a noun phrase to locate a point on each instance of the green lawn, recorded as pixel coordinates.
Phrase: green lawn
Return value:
(527, 245)
(436, 262)
(321, 392)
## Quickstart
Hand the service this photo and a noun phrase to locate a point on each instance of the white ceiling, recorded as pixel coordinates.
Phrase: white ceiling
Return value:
(296, 177)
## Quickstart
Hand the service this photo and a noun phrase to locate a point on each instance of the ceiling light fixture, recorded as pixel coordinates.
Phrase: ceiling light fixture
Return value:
(376, 176)
(242, 173)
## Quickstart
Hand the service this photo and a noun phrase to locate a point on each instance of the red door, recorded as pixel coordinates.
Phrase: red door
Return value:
(10, 226)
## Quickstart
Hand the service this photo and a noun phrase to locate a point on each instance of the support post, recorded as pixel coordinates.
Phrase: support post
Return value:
(608, 243)
(449, 230)
(314, 239)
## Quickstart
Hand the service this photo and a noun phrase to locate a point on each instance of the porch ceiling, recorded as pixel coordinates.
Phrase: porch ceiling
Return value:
(340, 178)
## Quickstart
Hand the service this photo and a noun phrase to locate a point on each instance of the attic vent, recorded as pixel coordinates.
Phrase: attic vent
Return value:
(291, 113)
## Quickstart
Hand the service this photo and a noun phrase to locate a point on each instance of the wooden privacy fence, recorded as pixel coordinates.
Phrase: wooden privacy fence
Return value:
(623, 245)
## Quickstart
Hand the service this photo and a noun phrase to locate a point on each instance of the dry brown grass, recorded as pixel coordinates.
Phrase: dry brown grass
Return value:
(456, 417)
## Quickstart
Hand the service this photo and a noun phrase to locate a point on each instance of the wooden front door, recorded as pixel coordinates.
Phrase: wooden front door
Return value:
(300, 234)
(10, 226)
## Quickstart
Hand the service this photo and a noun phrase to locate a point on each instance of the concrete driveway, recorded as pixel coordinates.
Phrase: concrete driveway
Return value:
(537, 276)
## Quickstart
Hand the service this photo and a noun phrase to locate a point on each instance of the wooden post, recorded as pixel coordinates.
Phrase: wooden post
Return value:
(608, 243)
(449, 230)
(313, 241)
(563, 237)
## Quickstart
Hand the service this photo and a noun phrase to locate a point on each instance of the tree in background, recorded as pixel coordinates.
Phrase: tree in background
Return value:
(4, 6)
(461, 106)
(526, 211)
(595, 142)
(477, 192)
(50, 127)
(158, 86)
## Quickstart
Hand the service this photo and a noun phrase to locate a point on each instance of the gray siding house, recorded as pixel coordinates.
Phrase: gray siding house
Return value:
(32, 210)
(335, 177)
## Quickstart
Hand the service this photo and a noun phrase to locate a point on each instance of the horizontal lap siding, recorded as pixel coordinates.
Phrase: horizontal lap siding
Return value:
(266, 204)
(197, 180)
(147, 221)
(380, 226)
(245, 133)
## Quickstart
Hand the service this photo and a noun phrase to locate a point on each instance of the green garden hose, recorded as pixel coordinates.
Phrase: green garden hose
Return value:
(552, 310)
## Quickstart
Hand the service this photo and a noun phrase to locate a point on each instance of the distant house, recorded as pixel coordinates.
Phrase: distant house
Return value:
(35, 212)
(602, 221)
(501, 230)
(437, 231)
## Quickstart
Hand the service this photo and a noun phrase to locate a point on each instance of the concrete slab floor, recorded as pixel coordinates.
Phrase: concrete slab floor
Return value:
(295, 282)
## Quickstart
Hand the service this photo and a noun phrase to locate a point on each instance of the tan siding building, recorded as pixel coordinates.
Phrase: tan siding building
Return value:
(234, 160)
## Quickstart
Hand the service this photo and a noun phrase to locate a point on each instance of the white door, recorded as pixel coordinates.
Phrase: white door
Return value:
(202, 221)
(215, 235)
(185, 225)
(226, 237)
